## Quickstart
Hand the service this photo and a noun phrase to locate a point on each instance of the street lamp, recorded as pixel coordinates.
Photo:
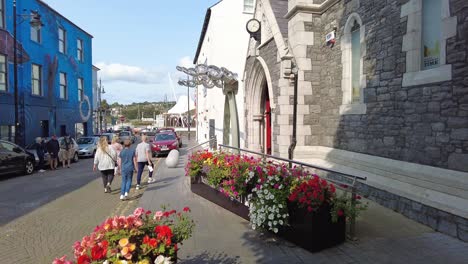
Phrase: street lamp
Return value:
(211, 76)
(190, 84)
(100, 92)
(35, 22)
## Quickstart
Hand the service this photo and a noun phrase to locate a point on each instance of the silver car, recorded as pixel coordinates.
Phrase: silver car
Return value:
(87, 146)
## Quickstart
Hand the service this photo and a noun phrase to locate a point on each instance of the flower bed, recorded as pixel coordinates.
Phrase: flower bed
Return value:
(142, 238)
(279, 198)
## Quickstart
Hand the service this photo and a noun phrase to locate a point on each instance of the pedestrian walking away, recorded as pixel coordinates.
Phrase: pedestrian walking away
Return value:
(143, 155)
(117, 148)
(127, 164)
(53, 149)
(66, 151)
(105, 161)
(39, 146)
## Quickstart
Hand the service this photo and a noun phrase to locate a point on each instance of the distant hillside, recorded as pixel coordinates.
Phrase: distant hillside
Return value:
(138, 110)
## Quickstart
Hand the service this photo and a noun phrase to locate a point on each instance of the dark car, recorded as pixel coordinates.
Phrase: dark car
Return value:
(170, 129)
(126, 135)
(14, 159)
(163, 143)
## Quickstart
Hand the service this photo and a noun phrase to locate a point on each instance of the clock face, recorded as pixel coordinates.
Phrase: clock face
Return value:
(253, 26)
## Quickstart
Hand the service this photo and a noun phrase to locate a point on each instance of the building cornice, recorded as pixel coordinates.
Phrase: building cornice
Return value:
(311, 8)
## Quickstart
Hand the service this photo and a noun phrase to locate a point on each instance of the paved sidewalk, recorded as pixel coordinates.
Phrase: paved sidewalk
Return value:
(222, 237)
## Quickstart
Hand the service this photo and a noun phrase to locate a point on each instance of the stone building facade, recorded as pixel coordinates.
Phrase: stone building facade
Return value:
(378, 101)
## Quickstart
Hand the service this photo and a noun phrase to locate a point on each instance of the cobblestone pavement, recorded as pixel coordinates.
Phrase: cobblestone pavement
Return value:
(222, 237)
(43, 214)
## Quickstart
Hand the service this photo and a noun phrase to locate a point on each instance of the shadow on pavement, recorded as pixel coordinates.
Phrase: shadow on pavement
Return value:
(212, 258)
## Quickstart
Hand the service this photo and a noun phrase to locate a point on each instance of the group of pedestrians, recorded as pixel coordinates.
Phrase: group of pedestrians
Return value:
(114, 159)
(57, 151)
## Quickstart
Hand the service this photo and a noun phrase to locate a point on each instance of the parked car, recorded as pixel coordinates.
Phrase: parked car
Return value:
(124, 135)
(170, 129)
(15, 159)
(163, 143)
(109, 136)
(75, 157)
(150, 136)
(87, 146)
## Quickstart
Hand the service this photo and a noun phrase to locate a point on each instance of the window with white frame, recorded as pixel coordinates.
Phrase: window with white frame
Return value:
(63, 86)
(80, 89)
(62, 38)
(249, 6)
(35, 34)
(428, 28)
(353, 48)
(79, 49)
(36, 80)
(2, 14)
(3, 73)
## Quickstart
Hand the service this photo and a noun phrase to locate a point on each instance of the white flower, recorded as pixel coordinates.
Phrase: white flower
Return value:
(269, 223)
(275, 230)
(280, 187)
(281, 222)
(275, 222)
(265, 191)
(271, 217)
(106, 262)
(280, 206)
(162, 260)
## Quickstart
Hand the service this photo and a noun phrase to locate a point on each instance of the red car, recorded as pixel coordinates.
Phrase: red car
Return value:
(170, 129)
(163, 143)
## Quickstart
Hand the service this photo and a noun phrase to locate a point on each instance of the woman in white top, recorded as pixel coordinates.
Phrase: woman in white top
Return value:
(105, 160)
(117, 148)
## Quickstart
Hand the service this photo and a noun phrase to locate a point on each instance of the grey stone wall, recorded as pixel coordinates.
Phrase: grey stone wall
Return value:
(426, 124)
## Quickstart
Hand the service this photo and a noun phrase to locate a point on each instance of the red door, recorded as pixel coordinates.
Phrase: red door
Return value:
(268, 126)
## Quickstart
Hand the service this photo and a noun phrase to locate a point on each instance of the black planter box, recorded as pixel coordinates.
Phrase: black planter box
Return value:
(313, 231)
(215, 196)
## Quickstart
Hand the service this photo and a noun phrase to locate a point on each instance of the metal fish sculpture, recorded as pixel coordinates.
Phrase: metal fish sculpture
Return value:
(6, 47)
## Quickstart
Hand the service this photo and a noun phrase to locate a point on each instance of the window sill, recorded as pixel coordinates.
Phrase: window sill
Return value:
(440, 74)
(38, 96)
(353, 109)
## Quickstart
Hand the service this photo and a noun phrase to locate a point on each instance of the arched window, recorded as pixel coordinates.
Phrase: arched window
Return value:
(353, 48)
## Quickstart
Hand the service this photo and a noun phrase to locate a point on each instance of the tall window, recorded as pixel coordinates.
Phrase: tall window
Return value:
(355, 62)
(2, 14)
(35, 34)
(7, 133)
(431, 34)
(79, 49)
(3, 73)
(80, 89)
(63, 86)
(62, 40)
(249, 6)
(36, 80)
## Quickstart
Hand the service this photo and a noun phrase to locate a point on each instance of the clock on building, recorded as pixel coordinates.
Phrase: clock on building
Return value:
(253, 27)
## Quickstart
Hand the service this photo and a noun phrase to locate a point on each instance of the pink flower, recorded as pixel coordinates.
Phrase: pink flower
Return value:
(138, 212)
(62, 260)
(158, 215)
(186, 209)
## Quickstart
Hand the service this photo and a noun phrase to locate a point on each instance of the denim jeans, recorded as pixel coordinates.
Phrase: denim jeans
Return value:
(126, 182)
(141, 166)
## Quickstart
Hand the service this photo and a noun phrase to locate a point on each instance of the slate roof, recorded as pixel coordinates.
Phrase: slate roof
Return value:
(280, 8)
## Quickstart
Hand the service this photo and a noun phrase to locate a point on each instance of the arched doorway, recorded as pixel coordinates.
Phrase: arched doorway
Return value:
(260, 105)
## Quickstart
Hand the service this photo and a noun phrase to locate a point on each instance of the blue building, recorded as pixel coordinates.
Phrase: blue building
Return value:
(54, 63)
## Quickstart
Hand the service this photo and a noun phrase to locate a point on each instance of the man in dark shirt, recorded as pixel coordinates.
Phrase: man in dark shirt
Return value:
(53, 147)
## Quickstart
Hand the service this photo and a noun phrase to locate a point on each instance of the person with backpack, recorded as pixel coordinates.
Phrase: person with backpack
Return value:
(66, 150)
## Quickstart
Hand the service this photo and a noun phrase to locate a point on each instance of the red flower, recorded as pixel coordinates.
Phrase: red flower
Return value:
(84, 259)
(358, 197)
(340, 212)
(186, 209)
(153, 243)
(146, 240)
(98, 252)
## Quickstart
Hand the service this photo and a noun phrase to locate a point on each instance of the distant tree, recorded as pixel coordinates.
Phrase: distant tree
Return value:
(104, 104)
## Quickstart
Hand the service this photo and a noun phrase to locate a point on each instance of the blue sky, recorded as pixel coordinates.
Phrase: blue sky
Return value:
(137, 43)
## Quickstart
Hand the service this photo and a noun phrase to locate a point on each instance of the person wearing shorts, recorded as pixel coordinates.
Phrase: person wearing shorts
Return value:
(53, 148)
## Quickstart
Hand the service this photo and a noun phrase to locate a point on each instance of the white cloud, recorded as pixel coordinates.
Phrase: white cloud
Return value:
(186, 62)
(128, 73)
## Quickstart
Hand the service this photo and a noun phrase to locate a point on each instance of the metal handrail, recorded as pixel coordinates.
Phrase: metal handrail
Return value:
(201, 144)
(352, 224)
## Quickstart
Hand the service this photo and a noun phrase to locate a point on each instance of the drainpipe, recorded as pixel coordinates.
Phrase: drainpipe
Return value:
(294, 139)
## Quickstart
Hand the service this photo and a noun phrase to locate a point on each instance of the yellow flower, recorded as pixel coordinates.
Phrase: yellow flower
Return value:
(123, 242)
(145, 261)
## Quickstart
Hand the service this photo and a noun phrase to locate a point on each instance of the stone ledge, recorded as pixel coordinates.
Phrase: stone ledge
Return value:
(443, 189)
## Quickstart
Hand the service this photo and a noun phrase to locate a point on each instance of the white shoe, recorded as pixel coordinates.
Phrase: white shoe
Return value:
(150, 180)
(126, 194)
(138, 187)
(41, 170)
(121, 197)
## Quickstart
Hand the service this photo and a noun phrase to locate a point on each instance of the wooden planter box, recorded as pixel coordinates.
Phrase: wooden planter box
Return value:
(215, 196)
(313, 231)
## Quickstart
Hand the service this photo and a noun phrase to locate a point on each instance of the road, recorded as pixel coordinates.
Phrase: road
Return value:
(43, 214)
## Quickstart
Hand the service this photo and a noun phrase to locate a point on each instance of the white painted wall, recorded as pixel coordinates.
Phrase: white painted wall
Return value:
(225, 45)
